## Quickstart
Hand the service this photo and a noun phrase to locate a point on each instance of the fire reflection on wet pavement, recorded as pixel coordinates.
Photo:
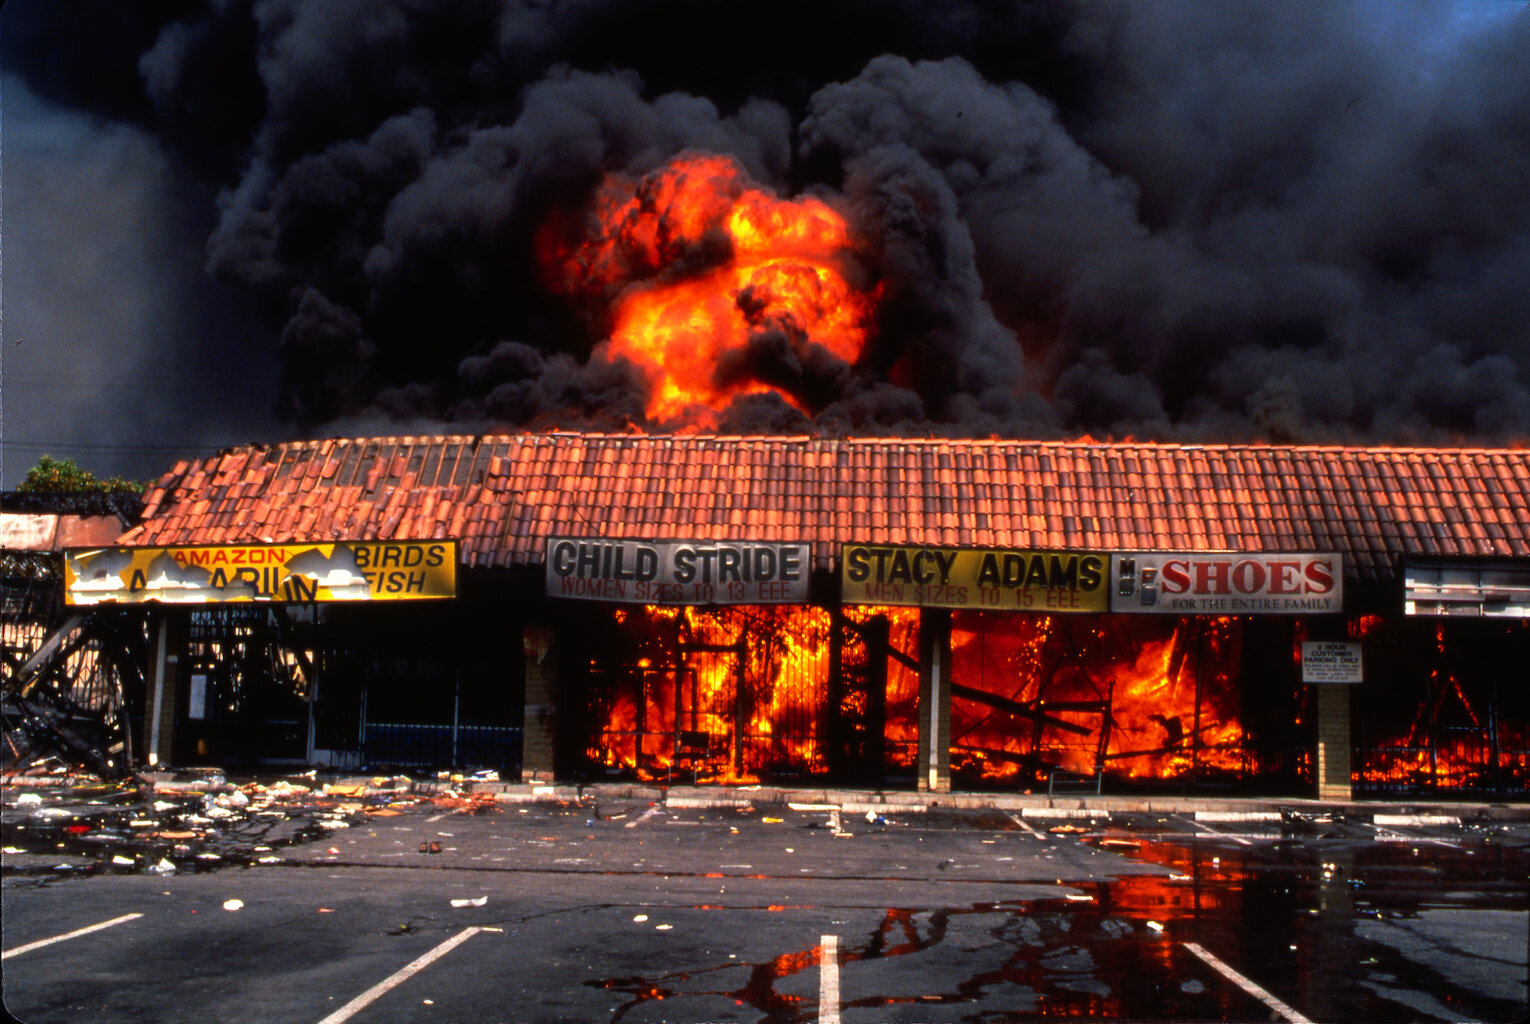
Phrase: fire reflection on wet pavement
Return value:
(1342, 932)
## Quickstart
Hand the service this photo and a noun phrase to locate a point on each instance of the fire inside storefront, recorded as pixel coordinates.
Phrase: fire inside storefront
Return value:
(878, 612)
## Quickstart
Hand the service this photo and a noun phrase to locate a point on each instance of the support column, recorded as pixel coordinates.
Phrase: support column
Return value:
(539, 725)
(167, 643)
(935, 700)
(1333, 746)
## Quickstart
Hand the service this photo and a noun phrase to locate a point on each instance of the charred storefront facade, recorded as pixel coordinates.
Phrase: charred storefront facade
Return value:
(72, 681)
(931, 614)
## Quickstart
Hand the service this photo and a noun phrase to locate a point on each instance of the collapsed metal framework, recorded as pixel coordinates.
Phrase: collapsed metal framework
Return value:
(1456, 714)
(73, 682)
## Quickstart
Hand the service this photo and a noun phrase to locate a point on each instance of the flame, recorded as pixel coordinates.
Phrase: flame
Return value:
(1136, 697)
(716, 288)
(728, 695)
(1141, 697)
(1446, 742)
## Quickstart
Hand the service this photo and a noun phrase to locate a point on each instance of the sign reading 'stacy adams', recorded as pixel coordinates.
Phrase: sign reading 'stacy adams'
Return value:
(678, 572)
(981, 578)
(1227, 583)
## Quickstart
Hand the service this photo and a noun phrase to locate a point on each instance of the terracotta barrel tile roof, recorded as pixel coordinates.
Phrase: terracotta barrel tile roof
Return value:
(503, 496)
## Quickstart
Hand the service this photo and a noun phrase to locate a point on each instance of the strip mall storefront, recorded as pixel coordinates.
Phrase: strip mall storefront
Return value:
(931, 667)
(717, 610)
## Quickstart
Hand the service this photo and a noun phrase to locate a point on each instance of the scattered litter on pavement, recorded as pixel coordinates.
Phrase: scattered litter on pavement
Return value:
(662, 927)
(478, 902)
(233, 904)
(640, 918)
(195, 820)
(1155, 926)
(466, 803)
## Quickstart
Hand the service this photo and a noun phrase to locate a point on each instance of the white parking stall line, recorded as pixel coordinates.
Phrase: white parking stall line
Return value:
(1220, 834)
(1421, 820)
(828, 979)
(40, 943)
(1392, 835)
(1252, 989)
(398, 977)
(1270, 816)
(1023, 824)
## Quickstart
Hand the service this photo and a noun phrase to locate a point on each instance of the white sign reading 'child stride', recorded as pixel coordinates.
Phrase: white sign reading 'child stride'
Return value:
(678, 572)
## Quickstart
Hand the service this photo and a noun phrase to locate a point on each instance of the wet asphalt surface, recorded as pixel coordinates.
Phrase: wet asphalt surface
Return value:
(307, 906)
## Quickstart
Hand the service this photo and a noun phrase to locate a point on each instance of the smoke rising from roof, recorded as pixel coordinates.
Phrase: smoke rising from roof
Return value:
(1234, 221)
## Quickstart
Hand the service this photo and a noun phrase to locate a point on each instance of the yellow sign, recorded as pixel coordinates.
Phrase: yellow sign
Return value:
(401, 570)
(981, 578)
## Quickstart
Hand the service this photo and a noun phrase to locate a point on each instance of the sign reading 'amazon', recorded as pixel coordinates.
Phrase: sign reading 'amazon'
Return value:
(992, 579)
(299, 573)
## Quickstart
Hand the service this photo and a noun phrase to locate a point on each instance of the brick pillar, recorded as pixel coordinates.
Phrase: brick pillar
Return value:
(935, 700)
(539, 728)
(1333, 749)
(167, 644)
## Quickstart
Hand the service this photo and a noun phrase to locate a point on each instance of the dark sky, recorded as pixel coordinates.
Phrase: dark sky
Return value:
(251, 220)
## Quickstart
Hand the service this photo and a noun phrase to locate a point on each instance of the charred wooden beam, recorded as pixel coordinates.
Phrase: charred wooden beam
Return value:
(907, 661)
(1017, 709)
(44, 654)
(1013, 757)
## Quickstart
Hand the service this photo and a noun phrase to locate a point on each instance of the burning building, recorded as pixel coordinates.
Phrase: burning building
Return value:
(1039, 220)
(884, 612)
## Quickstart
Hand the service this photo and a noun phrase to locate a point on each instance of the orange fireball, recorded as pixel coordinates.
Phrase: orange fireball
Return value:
(716, 288)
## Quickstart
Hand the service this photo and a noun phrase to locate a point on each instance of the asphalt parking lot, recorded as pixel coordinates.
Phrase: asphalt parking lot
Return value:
(453, 907)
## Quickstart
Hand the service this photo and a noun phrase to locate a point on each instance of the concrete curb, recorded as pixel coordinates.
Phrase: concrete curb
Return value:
(860, 801)
(857, 801)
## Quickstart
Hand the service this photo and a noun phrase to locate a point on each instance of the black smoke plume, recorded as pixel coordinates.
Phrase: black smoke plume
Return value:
(1242, 220)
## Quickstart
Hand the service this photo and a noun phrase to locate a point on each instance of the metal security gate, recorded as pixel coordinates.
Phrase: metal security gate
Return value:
(249, 678)
(430, 714)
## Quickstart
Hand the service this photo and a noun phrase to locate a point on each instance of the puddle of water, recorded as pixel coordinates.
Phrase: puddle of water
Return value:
(1300, 918)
